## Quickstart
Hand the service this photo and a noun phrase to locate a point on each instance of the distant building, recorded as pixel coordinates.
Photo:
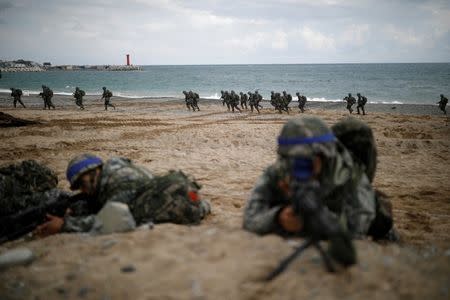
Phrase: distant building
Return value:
(47, 64)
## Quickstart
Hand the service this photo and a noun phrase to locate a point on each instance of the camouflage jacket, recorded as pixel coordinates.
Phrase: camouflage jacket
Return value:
(122, 181)
(347, 192)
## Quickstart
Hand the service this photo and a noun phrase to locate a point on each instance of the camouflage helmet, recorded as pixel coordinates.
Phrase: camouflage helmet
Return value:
(306, 137)
(77, 88)
(80, 165)
(442, 95)
(104, 87)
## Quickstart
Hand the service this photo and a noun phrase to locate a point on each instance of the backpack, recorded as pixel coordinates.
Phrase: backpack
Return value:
(358, 138)
(174, 197)
(19, 92)
(82, 93)
(364, 100)
(50, 93)
(109, 94)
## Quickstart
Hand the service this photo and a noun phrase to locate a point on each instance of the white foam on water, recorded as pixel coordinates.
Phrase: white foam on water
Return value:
(385, 102)
(324, 100)
(215, 96)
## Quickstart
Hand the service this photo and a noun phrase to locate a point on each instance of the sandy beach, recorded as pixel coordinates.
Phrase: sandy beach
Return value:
(226, 152)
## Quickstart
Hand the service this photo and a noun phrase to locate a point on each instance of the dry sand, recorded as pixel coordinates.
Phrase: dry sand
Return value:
(226, 152)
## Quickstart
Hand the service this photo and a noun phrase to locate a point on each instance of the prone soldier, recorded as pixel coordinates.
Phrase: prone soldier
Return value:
(310, 154)
(173, 197)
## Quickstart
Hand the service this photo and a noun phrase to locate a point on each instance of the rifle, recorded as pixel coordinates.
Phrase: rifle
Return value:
(319, 224)
(16, 225)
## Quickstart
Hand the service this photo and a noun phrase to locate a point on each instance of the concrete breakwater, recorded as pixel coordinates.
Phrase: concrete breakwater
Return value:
(22, 69)
(72, 68)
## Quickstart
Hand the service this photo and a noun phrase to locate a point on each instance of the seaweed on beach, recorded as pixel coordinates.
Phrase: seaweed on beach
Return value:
(10, 121)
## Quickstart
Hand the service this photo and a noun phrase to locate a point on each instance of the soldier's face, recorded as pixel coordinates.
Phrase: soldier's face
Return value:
(89, 182)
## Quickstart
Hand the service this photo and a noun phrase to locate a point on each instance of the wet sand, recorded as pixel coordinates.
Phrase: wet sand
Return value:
(227, 152)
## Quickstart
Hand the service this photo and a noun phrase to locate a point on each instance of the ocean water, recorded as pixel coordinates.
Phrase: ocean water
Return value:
(380, 83)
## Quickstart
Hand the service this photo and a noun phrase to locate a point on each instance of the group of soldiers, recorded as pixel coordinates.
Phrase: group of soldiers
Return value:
(281, 101)
(233, 100)
(191, 98)
(361, 102)
(47, 95)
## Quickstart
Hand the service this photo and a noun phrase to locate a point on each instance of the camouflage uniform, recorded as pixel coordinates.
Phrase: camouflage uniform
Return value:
(26, 184)
(188, 101)
(244, 99)
(361, 103)
(17, 94)
(150, 198)
(301, 102)
(226, 99)
(234, 101)
(287, 98)
(350, 101)
(78, 95)
(252, 101)
(47, 95)
(195, 101)
(107, 96)
(344, 186)
(443, 103)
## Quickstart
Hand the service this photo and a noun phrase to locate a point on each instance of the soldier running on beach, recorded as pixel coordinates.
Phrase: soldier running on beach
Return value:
(362, 100)
(443, 103)
(188, 101)
(301, 102)
(196, 99)
(244, 99)
(350, 101)
(47, 95)
(234, 101)
(17, 94)
(258, 99)
(107, 94)
(78, 95)
(287, 98)
(252, 101)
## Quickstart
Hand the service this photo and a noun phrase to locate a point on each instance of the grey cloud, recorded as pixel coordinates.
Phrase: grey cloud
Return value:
(4, 5)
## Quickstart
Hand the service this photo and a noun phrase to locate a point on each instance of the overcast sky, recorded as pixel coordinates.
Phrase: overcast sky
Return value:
(225, 31)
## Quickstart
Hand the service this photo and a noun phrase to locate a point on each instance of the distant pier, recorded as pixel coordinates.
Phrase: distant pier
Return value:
(71, 68)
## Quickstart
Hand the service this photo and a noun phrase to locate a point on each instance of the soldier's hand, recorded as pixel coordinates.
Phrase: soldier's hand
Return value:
(52, 226)
(289, 220)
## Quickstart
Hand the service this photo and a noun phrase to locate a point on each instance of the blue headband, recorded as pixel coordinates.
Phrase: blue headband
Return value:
(74, 169)
(329, 137)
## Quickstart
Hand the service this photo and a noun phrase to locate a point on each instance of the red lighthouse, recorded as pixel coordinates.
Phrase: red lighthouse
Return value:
(128, 59)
